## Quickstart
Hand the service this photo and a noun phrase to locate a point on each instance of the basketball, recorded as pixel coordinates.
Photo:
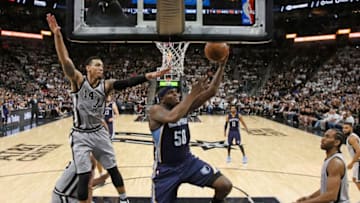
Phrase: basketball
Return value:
(216, 51)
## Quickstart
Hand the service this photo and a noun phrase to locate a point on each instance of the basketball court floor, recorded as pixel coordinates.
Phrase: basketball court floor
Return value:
(284, 163)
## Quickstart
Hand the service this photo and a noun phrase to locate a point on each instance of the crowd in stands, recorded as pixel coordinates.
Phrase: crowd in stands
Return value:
(313, 90)
(304, 86)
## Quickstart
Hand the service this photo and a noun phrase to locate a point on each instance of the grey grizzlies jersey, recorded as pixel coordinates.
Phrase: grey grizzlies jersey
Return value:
(89, 105)
(343, 195)
(67, 184)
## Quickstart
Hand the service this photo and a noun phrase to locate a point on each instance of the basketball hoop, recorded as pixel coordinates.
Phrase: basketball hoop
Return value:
(173, 55)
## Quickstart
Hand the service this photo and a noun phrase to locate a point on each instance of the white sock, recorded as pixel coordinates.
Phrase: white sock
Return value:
(123, 196)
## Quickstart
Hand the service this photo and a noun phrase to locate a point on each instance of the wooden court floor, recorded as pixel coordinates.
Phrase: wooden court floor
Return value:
(283, 162)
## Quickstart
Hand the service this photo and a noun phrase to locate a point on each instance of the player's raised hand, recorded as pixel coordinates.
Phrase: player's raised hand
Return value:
(199, 86)
(53, 25)
(223, 62)
(154, 75)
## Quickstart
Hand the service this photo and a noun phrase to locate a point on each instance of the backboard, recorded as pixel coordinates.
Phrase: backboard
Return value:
(135, 21)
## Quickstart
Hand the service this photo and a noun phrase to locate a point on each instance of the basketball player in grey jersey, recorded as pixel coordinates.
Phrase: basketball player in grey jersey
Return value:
(88, 134)
(66, 186)
(353, 146)
(334, 184)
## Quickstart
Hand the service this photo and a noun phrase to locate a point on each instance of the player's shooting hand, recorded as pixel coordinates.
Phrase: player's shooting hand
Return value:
(53, 25)
(199, 86)
(154, 75)
(223, 62)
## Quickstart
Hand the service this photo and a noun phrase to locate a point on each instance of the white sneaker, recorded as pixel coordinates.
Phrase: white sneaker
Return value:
(228, 159)
(244, 160)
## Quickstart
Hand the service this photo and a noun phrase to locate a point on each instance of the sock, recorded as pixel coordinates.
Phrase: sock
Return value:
(123, 196)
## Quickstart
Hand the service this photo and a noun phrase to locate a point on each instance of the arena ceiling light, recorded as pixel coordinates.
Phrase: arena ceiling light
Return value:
(21, 34)
(354, 35)
(315, 38)
(343, 31)
(291, 36)
(45, 32)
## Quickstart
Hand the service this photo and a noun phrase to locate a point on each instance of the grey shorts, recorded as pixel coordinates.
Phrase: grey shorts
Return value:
(56, 198)
(98, 142)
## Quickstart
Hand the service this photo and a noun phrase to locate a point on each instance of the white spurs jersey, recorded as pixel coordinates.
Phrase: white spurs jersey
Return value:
(349, 147)
(343, 195)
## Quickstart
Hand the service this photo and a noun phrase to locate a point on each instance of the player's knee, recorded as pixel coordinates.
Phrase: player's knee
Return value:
(83, 188)
(116, 177)
(222, 184)
(226, 185)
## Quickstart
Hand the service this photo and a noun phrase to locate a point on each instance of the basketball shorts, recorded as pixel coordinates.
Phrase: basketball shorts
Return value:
(167, 178)
(98, 142)
(56, 198)
(234, 135)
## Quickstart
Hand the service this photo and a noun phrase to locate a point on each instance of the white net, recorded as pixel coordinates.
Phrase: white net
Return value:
(173, 55)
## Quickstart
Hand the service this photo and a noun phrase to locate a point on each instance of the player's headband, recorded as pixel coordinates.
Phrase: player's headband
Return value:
(162, 92)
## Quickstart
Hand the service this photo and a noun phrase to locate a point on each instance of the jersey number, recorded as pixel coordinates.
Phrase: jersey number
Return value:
(92, 97)
(233, 124)
(180, 137)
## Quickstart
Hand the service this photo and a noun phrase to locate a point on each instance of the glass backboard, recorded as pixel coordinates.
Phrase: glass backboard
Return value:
(135, 21)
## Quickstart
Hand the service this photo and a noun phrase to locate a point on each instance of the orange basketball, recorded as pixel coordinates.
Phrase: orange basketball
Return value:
(216, 51)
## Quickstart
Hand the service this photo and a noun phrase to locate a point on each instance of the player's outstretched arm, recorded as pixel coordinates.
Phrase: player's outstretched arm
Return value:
(315, 194)
(159, 114)
(212, 89)
(226, 125)
(67, 65)
(123, 84)
(115, 109)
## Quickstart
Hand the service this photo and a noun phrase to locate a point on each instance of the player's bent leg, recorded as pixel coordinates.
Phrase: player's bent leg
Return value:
(357, 183)
(165, 184)
(56, 198)
(160, 194)
(222, 186)
(117, 179)
(83, 189)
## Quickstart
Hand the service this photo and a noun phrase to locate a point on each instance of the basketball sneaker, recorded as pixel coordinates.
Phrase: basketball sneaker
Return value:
(228, 159)
(244, 160)
(124, 201)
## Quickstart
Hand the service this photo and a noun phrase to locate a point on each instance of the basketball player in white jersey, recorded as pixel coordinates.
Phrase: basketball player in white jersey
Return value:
(353, 145)
(334, 184)
(66, 186)
(88, 133)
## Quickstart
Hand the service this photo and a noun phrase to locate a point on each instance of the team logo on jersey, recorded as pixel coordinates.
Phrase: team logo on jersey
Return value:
(205, 170)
